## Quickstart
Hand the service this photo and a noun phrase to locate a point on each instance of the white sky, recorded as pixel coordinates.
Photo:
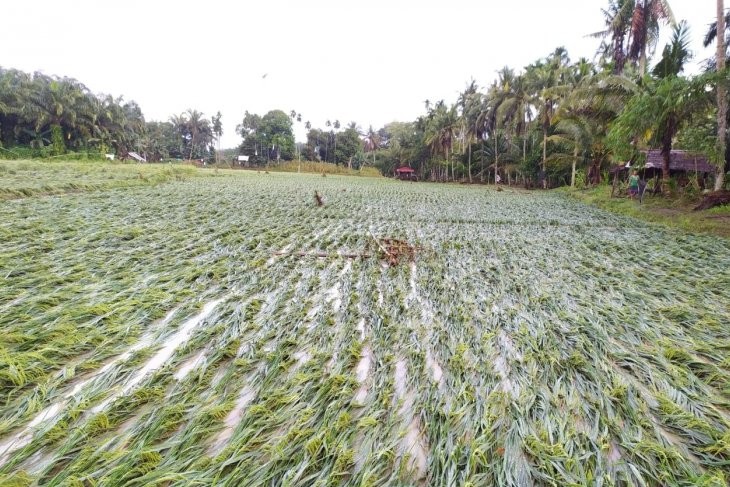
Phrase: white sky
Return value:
(370, 62)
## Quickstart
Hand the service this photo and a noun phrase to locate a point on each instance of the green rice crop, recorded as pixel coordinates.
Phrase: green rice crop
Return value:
(217, 331)
(19, 179)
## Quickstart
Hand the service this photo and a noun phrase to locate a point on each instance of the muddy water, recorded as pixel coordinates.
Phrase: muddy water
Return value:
(50, 413)
(189, 365)
(362, 371)
(437, 372)
(413, 444)
(245, 398)
(164, 354)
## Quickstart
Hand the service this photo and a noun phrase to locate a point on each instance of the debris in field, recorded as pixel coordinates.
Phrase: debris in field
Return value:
(717, 198)
(390, 250)
(318, 198)
(394, 251)
(325, 255)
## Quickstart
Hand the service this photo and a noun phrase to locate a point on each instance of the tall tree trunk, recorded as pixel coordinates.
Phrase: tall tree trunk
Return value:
(544, 158)
(481, 173)
(453, 173)
(572, 173)
(469, 163)
(666, 159)
(524, 150)
(496, 158)
(642, 62)
(721, 98)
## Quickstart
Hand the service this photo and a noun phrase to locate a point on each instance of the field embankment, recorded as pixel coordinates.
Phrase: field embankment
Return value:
(311, 167)
(675, 212)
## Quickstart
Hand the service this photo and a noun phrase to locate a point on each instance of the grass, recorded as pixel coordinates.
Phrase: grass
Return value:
(675, 212)
(323, 168)
(23, 178)
(156, 335)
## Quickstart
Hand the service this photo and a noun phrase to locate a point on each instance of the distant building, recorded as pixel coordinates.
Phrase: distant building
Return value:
(406, 173)
(679, 161)
(682, 165)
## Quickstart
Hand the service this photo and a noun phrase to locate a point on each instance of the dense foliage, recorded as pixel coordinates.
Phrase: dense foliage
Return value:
(558, 122)
(42, 115)
(555, 122)
(267, 138)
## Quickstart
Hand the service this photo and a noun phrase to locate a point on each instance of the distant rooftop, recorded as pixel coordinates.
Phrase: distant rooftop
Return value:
(679, 160)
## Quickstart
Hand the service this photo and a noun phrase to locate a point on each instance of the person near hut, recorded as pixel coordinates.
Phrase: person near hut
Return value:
(634, 184)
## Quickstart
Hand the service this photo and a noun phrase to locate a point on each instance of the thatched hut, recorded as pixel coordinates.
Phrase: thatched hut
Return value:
(680, 162)
(682, 165)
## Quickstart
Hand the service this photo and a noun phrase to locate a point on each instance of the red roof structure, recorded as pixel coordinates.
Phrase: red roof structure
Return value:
(406, 173)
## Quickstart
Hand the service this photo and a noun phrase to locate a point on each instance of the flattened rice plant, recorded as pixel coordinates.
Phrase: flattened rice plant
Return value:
(173, 334)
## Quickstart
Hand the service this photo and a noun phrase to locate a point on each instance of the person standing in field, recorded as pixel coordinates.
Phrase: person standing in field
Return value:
(634, 184)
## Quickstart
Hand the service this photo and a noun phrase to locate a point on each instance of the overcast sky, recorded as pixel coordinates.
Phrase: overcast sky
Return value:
(371, 62)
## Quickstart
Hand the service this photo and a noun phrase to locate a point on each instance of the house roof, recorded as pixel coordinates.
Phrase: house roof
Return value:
(680, 160)
(405, 169)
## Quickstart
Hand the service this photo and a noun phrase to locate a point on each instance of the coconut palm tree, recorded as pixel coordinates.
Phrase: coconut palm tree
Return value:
(711, 37)
(644, 31)
(547, 81)
(217, 127)
(196, 124)
(336, 127)
(617, 18)
(515, 109)
(441, 130)
(327, 124)
(667, 103)
(469, 106)
(372, 141)
(583, 119)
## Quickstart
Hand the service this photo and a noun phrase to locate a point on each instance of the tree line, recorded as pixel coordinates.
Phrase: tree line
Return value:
(270, 138)
(553, 122)
(43, 115)
(556, 122)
